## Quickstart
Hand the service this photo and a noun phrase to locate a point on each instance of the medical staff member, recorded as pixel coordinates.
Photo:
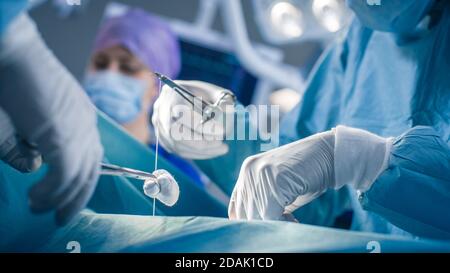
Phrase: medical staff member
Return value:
(45, 116)
(120, 80)
(388, 77)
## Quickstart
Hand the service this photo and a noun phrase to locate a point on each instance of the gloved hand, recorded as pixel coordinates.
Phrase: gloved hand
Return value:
(19, 154)
(273, 184)
(180, 128)
(48, 108)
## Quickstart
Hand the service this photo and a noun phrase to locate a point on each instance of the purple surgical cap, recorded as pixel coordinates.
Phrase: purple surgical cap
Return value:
(147, 37)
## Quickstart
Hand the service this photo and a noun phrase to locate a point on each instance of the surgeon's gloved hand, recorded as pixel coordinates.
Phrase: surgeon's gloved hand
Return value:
(19, 154)
(273, 184)
(180, 128)
(48, 108)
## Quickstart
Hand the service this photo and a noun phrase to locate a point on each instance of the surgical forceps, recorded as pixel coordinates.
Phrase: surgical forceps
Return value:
(109, 169)
(207, 110)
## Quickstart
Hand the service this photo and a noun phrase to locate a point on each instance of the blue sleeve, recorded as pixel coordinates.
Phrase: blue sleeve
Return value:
(414, 192)
(317, 112)
(320, 107)
(9, 9)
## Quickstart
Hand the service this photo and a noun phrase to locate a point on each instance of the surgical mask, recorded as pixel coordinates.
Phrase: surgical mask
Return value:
(397, 16)
(117, 95)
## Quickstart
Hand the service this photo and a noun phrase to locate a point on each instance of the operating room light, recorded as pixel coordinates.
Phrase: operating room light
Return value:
(330, 14)
(287, 19)
(286, 98)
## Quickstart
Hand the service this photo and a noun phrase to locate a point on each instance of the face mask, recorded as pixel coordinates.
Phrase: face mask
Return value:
(398, 16)
(117, 95)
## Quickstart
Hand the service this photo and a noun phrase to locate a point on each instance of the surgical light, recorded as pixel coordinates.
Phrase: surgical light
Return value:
(286, 98)
(287, 19)
(331, 14)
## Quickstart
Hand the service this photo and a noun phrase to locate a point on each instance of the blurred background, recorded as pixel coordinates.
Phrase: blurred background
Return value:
(288, 35)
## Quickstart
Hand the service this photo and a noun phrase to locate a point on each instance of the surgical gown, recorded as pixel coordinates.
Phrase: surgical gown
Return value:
(385, 83)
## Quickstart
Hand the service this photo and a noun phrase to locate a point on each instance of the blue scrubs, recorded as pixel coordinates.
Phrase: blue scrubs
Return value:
(385, 83)
(414, 194)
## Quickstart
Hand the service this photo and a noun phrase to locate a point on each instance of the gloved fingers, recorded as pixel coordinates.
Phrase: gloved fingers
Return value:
(201, 150)
(180, 138)
(193, 149)
(54, 183)
(43, 199)
(264, 206)
(232, 210)
(288, 217)
(303, 200)
(69, 194)
(171, 110)
(212, 128)
(66, 213)
(90, 173)
(26, 164)
(240, 210)
(209, 92)
(239, 201)
(63, 171)
(30, 158)
(79, 199)
(180, 132)
(253, 196)
(232, 206)
(264, 196)
(253, 212)
(237, 209)
(168, 97)
(85, 174)
(21, 155)
(184, 117)
(16, 152)
(195, 122)
(248, 204)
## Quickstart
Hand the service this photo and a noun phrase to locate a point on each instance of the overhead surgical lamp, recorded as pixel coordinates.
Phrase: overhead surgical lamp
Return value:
(279, 21)
(288, 21)
(333, 15)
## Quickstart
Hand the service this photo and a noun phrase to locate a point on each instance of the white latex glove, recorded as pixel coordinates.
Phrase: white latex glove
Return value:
(197, 140)
(48, 108)
(273, 184)
(19, 154)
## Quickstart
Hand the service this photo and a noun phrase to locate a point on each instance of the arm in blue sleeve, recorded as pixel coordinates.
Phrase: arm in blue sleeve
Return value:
(414, 192)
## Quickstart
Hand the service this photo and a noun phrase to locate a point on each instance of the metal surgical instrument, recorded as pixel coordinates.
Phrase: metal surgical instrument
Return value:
(207, 110)
(109, 169)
